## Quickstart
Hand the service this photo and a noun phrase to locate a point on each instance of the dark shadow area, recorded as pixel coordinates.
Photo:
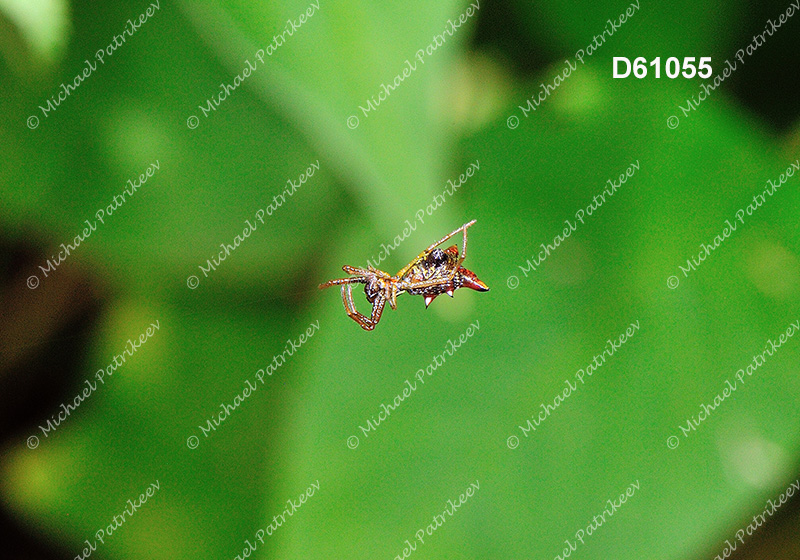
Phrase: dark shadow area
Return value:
(44, 334)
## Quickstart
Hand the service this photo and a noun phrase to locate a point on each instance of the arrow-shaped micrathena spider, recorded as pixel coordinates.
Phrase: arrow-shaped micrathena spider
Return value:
(431, 273)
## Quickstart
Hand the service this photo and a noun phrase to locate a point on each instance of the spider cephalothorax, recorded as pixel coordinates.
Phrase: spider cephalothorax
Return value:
(433, 272)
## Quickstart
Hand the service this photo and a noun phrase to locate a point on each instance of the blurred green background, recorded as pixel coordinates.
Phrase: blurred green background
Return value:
(136, 108)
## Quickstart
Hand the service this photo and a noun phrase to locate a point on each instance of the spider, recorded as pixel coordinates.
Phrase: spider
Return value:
(433, 272)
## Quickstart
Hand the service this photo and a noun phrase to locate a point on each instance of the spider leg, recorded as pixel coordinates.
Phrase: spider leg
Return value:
(463, 252)
(377, 309)
(364, 272)
(451, 234)
(366, 323)
(337, 281)
(464, 249)
(434, 245)
(360, 276)
(426, 283)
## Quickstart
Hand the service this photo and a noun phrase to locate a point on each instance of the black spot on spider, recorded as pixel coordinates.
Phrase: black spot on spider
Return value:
(436, 257)
(371, 289)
